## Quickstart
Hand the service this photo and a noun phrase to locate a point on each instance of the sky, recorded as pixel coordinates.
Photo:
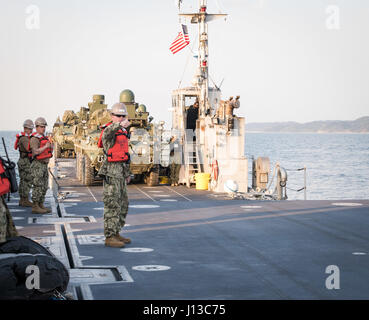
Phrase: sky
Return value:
(289, 60)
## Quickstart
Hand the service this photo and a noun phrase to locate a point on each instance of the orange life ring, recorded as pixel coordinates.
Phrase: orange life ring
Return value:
(214, 170)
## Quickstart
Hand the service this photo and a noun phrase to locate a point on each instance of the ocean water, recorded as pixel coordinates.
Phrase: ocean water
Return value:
(337, 164)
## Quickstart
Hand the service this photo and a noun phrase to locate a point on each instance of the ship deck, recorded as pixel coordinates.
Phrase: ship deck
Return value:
(190, 244)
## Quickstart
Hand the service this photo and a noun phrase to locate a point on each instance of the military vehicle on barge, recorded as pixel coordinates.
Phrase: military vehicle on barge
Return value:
(63, 135)
(149, 143)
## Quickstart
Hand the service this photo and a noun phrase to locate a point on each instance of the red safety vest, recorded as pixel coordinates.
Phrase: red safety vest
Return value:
(119, 151)
(16, 144)
(48, 152)
(4, 182)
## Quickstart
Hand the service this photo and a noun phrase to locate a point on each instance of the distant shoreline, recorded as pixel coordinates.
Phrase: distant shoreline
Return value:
(307, 132)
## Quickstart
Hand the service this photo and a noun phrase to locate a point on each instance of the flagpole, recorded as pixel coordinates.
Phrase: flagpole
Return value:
(203, 57)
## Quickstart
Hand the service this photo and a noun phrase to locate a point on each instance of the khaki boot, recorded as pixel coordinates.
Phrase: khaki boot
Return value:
(48, 210)
(114, 242)
(36, 208)
(24, 202)
(125, 240)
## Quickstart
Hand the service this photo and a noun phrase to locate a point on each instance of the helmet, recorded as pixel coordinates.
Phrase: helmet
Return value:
(40, 122)
(28, 124)
(127, 96)
(119, 109)
(141, 108)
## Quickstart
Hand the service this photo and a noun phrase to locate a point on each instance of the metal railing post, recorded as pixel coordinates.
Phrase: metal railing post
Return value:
(304, 182)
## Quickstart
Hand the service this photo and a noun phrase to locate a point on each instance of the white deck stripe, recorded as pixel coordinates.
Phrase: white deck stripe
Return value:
(178, 193)
(92, 194)
(145, 193)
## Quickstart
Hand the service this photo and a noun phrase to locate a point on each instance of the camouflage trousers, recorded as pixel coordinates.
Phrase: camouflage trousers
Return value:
(40, 179)
(25, 177)
(174, 172)
(7, 228)
(115, 205)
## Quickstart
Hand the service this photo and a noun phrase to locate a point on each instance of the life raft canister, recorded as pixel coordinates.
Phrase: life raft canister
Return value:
(120, 150)
(16, 144)
(4, 181)
(48, 152)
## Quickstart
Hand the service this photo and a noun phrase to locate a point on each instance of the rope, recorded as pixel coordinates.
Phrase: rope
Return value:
(298, 190)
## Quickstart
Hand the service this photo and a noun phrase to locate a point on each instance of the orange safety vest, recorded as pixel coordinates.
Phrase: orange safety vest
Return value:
(119, 151)
(16, 144)
(48, 152)
(4, 181)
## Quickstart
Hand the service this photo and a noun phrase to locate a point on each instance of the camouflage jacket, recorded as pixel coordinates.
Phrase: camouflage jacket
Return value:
(112, 169)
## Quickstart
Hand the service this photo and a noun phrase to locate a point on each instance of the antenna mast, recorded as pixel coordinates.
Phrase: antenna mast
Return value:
(202, 18)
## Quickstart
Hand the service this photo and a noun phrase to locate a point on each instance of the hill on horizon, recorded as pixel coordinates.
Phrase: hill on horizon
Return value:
(360, 125)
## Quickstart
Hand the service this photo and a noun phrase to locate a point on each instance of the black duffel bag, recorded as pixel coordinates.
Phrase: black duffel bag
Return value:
(16, 255)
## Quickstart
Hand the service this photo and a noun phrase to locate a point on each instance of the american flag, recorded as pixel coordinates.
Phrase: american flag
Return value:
(181, 41)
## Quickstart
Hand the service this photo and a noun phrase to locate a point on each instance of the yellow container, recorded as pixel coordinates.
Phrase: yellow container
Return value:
(202, 181)
(164, 180)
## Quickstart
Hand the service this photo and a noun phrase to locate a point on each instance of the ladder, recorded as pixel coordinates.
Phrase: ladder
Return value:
(191, 156)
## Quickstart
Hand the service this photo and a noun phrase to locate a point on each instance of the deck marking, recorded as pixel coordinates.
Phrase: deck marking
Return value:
(151, 267)
(162, 195)
(145, 193)
(86, 239)
(19, 227)
(100, 208)
(347, 204)
(69, 205)
(251, 207)
(92, 194)
(18, 218)
(156, 191)
(18, 210)
(71, 200)
(76, 194)
(359, 253)
(178, 193)
(168, 200)
(144, 206)
(136, 250)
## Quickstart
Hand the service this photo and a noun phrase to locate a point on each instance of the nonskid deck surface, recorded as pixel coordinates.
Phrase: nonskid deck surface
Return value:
(189, 244)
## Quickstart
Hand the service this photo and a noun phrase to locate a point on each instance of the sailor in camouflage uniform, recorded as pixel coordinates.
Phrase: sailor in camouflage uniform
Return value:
(42, 152)
(116, 174)
(7, 228)
(24, 163)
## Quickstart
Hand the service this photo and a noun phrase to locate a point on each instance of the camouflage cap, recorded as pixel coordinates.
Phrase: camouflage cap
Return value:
(119, 109)
(28, 124)
(40, 122)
